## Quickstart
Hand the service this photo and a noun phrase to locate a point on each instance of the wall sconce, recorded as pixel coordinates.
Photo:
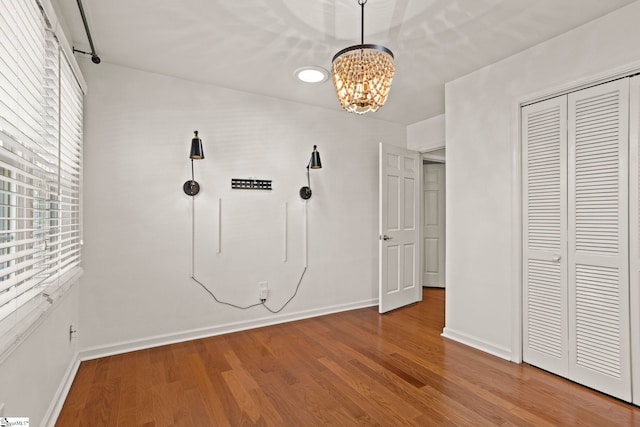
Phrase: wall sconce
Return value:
(191, 188)
(314, 163)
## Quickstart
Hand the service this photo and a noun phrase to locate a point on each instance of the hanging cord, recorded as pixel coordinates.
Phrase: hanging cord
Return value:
(224, 302)
(193, 274)
(256, 304)
(289, 300)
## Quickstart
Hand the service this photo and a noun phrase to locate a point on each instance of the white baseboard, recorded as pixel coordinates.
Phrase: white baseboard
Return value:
(160, 340)
(498, 351)
(51, 416)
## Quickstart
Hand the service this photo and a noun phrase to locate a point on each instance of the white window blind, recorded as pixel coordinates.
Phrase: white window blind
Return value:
(40, 166)
(71, 97)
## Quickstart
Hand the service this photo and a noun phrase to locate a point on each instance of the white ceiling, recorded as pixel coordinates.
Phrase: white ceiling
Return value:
(255, 45)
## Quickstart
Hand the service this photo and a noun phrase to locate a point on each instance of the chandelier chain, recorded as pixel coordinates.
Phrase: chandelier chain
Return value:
(362, 3)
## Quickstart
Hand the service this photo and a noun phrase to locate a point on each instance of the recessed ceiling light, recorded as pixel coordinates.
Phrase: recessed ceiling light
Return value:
(311, 74)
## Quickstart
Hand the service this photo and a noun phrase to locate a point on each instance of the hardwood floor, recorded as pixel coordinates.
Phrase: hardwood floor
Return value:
(345, 369)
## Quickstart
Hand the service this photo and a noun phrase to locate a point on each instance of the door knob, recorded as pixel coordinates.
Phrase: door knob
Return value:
(385, 237)
(555, 258)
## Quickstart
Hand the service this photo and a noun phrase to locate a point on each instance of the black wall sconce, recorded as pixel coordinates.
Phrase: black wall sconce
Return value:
(191, 188)
(314, 163)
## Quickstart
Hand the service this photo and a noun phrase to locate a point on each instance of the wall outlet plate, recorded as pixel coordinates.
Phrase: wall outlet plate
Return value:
(264, 290)
(2, 409)
(72, 332)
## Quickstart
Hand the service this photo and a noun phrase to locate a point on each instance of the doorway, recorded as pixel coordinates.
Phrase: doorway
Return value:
(433, 219)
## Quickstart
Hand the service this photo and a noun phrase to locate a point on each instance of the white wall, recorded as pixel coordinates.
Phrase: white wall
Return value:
(34, 373)
(137, 253)
(427, 134)
(481, 129)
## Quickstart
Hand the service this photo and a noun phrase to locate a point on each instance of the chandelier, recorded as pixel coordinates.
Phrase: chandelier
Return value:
(362, 74)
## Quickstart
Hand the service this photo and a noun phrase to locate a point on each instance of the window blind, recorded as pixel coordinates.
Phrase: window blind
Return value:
(40, 165)
(70, 161)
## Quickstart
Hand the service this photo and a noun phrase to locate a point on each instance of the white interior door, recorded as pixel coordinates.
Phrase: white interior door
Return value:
(399, 248)
(433, 228)
(545, 309)
(599, 342)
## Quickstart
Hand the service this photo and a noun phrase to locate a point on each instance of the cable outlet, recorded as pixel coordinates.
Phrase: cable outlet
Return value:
(264, 291)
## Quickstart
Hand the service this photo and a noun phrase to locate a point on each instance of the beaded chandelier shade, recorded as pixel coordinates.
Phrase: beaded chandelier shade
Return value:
(362, 74)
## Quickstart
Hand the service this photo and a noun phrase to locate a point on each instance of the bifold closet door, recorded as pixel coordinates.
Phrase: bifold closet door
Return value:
(634, 231)
(576, 315)
(598, 257)
(545, 309)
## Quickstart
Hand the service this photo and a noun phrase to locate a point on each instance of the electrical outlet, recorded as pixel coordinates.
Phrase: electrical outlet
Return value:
(264, 290)
(2, 409)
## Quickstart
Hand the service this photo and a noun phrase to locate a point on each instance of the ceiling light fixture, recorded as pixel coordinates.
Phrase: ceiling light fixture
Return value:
(362, 74)
(311, 74)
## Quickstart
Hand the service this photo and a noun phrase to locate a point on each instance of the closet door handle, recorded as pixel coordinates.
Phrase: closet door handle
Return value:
(555, 258)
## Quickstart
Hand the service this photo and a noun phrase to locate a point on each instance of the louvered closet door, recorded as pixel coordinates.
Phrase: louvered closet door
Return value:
(599, 354)
(545, 311)
(634, 232)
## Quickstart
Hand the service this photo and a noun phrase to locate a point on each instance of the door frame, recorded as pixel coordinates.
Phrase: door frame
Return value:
(428, 155)
(517, 222)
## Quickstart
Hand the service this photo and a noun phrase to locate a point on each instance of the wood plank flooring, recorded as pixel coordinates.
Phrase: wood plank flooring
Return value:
(356, 368)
